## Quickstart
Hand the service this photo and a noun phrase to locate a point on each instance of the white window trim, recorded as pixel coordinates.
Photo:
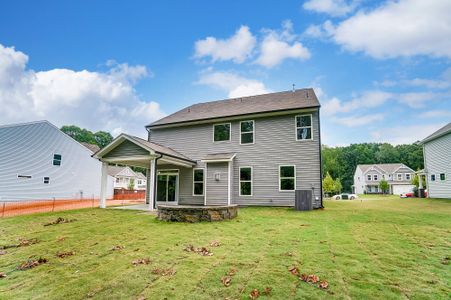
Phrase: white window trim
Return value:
(408, 174)
(370, 178)
(253, 132)
(280, 178)
(230, 135)
(397, 177)
(53, 158)
(375, 177)
(296, 127)
(251, 181)
(203, 182)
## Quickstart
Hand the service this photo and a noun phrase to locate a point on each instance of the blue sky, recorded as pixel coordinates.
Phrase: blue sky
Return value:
(381, 69)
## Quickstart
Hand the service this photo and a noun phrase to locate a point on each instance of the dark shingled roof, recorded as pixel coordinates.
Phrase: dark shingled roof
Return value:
(442, 131)
(288, 100)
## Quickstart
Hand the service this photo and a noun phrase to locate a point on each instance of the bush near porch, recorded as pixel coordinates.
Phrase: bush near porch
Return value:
(385, 248)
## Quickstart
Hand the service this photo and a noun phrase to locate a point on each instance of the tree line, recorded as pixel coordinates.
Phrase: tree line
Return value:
(99, 138)
(340, 162)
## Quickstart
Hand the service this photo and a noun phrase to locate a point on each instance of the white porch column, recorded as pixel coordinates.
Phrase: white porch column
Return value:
(420, 184)
(151, 190)
(229, 184)
(103, 185)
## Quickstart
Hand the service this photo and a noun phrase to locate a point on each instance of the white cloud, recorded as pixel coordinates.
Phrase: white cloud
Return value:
(235, 85)
(418, 99)
(435, 114)
(358, 120)
(236, 48)
(94, 100)
(323, 31)
(404, 134)
(399, 29)
(368, 99)
(280, 45)
(331, 7)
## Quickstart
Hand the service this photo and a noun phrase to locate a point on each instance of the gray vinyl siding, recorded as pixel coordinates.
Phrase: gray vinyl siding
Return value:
(275, 145)
(28, 149)
(437, 159)
(217, 191)
(126, 148)
(185, 185)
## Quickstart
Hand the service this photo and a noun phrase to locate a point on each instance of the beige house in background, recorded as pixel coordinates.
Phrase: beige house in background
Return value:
(124, 175)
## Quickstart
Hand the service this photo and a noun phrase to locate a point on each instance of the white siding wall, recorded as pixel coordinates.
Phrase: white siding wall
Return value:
(437, 159)
(28, 149)
(359, 181)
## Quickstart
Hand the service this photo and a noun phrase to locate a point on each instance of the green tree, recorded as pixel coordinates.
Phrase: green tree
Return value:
(131, 184)
(416, 182)
(328, 184)
(383, 185)
(337, 186)
(102, 138)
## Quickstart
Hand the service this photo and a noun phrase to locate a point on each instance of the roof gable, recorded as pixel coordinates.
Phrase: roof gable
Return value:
(281, 101)
(441, 132)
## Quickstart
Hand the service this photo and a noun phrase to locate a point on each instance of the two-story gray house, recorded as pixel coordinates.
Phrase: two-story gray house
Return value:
(254, 150)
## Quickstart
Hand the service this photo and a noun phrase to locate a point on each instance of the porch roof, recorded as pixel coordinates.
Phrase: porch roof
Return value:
(152, 151)
(219, 157)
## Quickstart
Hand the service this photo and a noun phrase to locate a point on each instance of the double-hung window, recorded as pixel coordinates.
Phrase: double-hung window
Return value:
(245, 181)
(433, 177)
(399, 176)
(442, 176)
(303, 127)
(57, 159)
(221, 132)
(46, 180)
(198, 182)
(247, 132)
(375, 177)
(287, 178)
(408, 177)
(368, 177)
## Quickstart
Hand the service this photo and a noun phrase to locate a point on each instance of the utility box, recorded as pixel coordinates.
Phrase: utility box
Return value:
(303, 200)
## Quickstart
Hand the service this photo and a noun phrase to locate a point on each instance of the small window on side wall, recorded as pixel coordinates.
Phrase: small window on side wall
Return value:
(46, 180)
(442, 176)
(57, 159)
(245, 181)
(368, 177)
(304, 127)
(221, 132)
(198, 182)
(247, 132)
(287, 178)
(433, 177)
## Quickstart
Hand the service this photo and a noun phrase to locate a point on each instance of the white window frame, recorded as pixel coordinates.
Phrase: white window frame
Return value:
(280, 178)
(230, 135)
(375, 177)
(369, 177)
(251, 181)
(296, 127)
(408, 174)
(398, 176)
(60, 160)
(203, 182)
(241, 132)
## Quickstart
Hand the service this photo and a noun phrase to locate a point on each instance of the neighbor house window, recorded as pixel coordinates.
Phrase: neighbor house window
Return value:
(407, 176)
(140, 182)
(399, 176)
(433, 177)
(368, 177)
(375, 177)
(247, 132)
(46, 180)
(245, 181)
(57, 159)
(287, 178)
(221, 132)
(304, 127)
(198, 182)
(117, 180)
(442, 176)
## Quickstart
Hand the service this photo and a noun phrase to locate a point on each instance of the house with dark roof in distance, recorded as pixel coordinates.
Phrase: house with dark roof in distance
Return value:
(437, 162)
(367, 178)
(125, 177)
(255, 150)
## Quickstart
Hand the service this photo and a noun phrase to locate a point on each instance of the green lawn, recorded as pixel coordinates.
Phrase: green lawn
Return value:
(385, 248)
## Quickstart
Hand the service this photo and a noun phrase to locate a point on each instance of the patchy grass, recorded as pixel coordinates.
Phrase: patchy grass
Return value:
(386, 249)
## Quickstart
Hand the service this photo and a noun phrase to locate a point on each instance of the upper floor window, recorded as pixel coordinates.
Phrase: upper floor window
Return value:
(304, 127)
(57, 159)
(245, 181)
(399, 176)
(368, 177)
(433, 177)
(408, 177)
(247, 132)
(198, 182)
(117, 180)
(140, 181)
(287, 178)
(375, 177)
(442, 176)
(221, 132)
(46, 180)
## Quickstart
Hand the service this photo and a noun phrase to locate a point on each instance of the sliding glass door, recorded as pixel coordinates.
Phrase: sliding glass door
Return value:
(167, 187)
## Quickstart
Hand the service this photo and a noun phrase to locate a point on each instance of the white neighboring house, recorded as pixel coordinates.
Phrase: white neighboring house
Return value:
(368, 177)
(124, 175)
(437, 162)
(39, 162)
